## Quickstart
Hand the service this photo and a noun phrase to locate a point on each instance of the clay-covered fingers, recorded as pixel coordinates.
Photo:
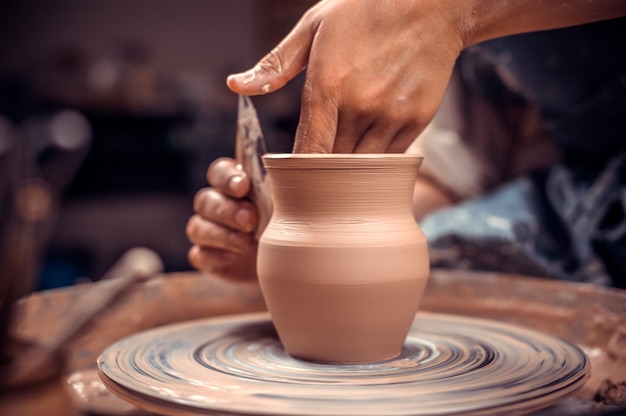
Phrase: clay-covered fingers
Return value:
(375, 72)
(280, 65)
(375, 76)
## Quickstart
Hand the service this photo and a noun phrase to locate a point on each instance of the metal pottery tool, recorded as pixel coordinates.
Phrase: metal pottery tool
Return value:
(250, 146)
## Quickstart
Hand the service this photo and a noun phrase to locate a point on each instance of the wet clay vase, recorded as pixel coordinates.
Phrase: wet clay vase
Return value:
(342, 263)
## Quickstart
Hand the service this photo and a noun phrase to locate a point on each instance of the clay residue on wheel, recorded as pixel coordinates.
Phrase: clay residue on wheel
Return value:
(592, 317)
(611, 393)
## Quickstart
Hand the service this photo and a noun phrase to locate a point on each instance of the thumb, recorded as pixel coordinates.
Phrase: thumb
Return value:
(278, 67)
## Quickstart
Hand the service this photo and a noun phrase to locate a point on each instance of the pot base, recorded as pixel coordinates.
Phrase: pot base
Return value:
(343, 323)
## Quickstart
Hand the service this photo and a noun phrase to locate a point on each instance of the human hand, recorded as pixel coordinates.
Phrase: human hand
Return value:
(376, 72)
(222, 228)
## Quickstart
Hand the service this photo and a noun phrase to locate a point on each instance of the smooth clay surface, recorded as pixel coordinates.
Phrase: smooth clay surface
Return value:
(342, 263)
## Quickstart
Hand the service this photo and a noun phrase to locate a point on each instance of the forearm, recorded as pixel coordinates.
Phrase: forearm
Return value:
(491, 19)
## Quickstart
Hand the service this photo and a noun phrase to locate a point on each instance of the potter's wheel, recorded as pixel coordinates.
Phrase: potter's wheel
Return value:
(450, 365)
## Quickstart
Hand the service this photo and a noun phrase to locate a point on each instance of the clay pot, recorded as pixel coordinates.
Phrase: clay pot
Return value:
(342, 263)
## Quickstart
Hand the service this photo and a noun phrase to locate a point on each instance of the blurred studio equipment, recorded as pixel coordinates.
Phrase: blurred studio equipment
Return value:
(37, 161)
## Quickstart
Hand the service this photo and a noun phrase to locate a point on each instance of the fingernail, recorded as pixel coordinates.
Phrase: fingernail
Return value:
(243, 77)
(234, 183)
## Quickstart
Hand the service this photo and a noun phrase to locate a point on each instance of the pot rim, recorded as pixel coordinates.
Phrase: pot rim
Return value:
(342, 161)
(312, 156)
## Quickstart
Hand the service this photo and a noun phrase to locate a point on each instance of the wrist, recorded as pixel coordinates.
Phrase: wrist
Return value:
(489, 19)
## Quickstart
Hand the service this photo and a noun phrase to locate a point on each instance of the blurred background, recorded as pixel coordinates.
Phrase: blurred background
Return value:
(119, 107)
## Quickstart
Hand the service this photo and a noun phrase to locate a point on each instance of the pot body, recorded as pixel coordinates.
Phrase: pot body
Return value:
(342, 263)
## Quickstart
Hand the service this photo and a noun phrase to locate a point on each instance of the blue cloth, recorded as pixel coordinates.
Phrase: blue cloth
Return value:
(544, 224)
(569, 221)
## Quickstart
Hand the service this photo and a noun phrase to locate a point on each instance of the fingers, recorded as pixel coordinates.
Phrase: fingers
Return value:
(221, 229)
(376, 73)
(236, 267)
(403, 139)
(371, 129)
(239, 215)
(223, 220)
(227, 176)
(355, 130)
(319, 118)
(210, 234)
(209, 259)
(388, 137)
(279, 66)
